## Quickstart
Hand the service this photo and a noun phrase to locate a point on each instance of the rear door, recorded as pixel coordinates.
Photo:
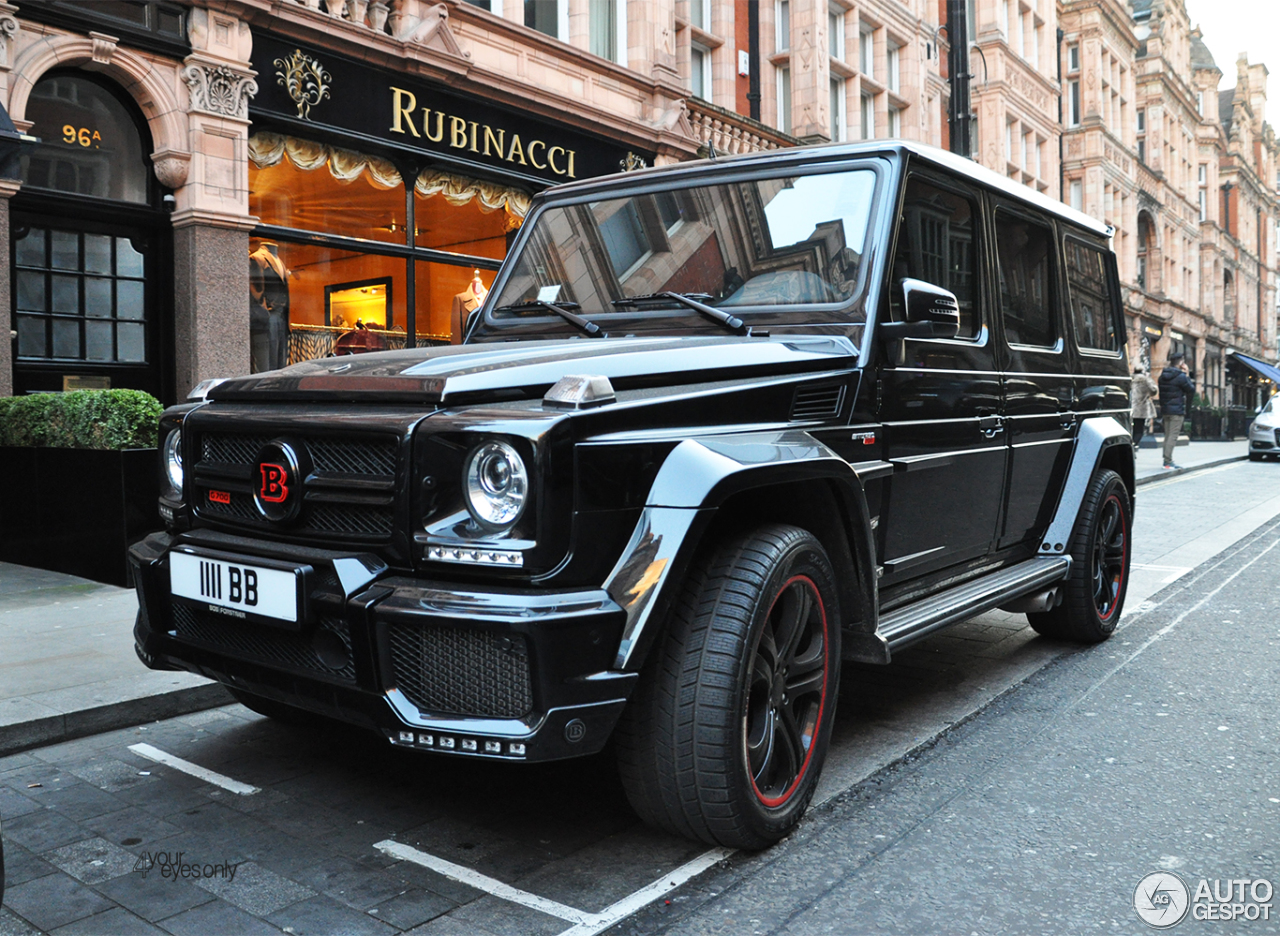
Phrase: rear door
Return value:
(941, 398)
(1039, 387)
(1097, 325)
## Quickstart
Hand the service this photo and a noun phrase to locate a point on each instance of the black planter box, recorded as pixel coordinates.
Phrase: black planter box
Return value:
(77, 510)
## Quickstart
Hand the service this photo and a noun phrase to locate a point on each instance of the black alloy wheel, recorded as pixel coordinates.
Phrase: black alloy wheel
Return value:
(787, 691)
(726, 733)
(1093, 594)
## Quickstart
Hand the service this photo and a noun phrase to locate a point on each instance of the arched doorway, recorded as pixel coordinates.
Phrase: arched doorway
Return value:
(90, 245)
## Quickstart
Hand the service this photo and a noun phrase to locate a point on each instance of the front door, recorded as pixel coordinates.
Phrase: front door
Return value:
(83, 305)
(941, 399)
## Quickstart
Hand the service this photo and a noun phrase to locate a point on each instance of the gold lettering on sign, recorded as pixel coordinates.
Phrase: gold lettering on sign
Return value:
(468, 135)
(533, 161)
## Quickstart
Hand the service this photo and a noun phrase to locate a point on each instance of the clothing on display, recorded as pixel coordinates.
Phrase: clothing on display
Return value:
(464, 303)
(268, 309)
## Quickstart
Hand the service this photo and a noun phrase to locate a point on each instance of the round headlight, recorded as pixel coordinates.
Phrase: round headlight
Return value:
(497, 485)
(173, 458)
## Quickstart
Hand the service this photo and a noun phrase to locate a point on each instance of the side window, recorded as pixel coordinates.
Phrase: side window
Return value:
(1025, 251)
(1092, 311)
(937, 244)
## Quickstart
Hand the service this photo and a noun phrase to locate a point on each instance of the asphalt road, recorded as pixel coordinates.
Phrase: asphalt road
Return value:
(988, 781)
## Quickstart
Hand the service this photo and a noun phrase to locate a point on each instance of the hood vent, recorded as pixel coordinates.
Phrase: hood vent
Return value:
(817, 402)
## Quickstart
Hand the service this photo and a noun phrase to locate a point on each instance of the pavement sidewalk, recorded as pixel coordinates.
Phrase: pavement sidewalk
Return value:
(68, 669)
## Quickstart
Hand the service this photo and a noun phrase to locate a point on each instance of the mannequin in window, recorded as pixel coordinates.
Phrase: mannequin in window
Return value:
(464, 303)
(268, 309)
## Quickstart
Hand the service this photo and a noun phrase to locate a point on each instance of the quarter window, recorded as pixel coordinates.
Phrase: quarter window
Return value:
(1092, 311)
(1024, 249)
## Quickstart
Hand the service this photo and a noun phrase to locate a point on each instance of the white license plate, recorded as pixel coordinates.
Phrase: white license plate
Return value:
(247, 589)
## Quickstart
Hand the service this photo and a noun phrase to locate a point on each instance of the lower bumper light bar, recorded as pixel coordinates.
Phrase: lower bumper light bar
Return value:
(457, 744)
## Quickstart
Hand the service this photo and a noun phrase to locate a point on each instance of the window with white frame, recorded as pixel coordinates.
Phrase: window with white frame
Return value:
(1008, 141)
(1077, 194)
(700, 14)
(1142, 134)
(867, 113)
(784, 99)
(893, 60)
(1200, 103)
(1073, 59)
(866, 50)
(1004, 18)
(700, 71)
(1033, 55)
(782, 25)
(1073, 103)
(608, 28)
(895, 122)
(839, 117)
(548, 16)
(835, 31)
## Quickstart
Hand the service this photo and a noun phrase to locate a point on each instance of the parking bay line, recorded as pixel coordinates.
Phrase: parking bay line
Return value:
(195, 770)
(585, 923)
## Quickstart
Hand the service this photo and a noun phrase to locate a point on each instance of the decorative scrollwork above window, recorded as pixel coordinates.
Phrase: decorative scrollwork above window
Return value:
(305, 79)
(216, 89)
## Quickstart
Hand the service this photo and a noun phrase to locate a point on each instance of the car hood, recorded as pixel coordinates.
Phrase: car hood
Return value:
(507, 370)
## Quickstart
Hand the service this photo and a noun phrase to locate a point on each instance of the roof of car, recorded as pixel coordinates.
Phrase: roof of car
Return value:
(828, 151)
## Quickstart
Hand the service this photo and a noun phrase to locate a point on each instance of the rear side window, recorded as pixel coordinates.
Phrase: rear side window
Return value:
(1092, 311)
(1025, 249)
(936, 243)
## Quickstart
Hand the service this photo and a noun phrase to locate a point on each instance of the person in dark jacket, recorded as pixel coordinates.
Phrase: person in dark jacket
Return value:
(1176, 391)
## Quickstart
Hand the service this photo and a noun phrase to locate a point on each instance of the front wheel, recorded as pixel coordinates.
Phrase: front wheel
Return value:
(1100, 555)
(726, 734)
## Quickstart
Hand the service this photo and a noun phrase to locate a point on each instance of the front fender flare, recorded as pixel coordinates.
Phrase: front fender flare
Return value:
(696, 478)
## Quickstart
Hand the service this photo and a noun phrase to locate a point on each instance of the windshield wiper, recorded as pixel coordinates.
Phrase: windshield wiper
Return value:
(691, 301)
(559, 308)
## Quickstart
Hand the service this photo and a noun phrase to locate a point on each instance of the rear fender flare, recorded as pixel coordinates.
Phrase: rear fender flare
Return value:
(1097, 435)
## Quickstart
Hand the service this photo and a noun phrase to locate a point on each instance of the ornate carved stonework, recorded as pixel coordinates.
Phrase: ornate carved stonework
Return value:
(104, 47)
(305, 79)
(171, 167)
(217, 89)
(632, 162)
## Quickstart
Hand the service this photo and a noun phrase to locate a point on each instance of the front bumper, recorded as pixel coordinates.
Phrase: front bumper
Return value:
(1264, 439)
(511, 674)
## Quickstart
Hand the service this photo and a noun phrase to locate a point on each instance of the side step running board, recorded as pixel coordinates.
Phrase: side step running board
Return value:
(909, 624)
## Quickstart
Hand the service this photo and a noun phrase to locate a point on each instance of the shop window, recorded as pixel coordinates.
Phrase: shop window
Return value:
(466, 216)
(79, 296)
(447, 295)
(1023, 248)
(89, 145)
(315, 187)
(1091, 308)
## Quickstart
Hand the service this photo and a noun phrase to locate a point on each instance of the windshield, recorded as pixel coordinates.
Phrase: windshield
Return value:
(759, 248)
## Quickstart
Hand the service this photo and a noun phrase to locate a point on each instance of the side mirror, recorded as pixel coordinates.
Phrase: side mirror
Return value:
(932, 312)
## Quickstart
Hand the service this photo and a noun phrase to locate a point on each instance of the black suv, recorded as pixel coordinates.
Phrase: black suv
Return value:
(718, 427)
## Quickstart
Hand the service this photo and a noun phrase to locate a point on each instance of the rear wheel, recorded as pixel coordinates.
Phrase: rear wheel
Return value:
(1100, 552)
(726, 734)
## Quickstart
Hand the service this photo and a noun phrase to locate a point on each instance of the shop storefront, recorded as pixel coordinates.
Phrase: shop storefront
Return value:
(385, 203)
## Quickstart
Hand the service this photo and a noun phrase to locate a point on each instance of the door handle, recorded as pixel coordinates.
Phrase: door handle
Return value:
(989, 426)
(1066, 420)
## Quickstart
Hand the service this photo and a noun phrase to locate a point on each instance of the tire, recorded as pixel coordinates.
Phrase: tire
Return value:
(713, 744)
(1100, 555)
(277, 711)
(1255, 456)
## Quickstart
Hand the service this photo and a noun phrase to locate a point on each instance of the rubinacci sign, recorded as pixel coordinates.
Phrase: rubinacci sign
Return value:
(305, 92)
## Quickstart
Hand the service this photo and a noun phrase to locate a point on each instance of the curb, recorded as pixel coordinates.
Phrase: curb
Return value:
(68, 726)
(1173, 473)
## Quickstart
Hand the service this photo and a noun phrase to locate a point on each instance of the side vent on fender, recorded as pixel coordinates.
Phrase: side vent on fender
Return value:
(820, 401)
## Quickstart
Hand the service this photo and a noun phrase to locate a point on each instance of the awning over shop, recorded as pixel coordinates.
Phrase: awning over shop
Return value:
(1269, 371)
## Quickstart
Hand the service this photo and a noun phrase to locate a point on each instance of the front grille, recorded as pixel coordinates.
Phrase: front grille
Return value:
(461, 671)
(817, 402)
(334, 459)
(326, 651)
(1278, 437)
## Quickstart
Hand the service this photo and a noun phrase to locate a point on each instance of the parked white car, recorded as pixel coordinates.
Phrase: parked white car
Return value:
(1264, 432)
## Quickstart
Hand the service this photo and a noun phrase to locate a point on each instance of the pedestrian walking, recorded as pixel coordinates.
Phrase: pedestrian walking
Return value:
(1142, 394)
(1176, 391)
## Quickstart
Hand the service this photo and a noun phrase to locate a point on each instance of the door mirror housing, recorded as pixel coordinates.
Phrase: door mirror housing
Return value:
(931, 312)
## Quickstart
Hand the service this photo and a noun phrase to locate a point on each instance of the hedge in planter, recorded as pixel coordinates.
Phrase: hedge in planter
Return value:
(81, 476)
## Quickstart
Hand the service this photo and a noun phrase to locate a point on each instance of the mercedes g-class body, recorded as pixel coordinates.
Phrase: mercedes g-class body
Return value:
(717, 427)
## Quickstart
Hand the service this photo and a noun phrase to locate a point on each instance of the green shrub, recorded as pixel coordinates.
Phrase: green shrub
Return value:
(90, 419)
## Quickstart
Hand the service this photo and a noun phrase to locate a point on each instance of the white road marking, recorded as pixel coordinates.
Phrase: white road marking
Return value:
(195, 770)
(585, 923)
(482, 882)
(1175, 572)
(614, 913)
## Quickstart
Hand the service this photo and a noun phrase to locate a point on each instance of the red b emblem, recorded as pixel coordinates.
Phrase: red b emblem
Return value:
(274, 490)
